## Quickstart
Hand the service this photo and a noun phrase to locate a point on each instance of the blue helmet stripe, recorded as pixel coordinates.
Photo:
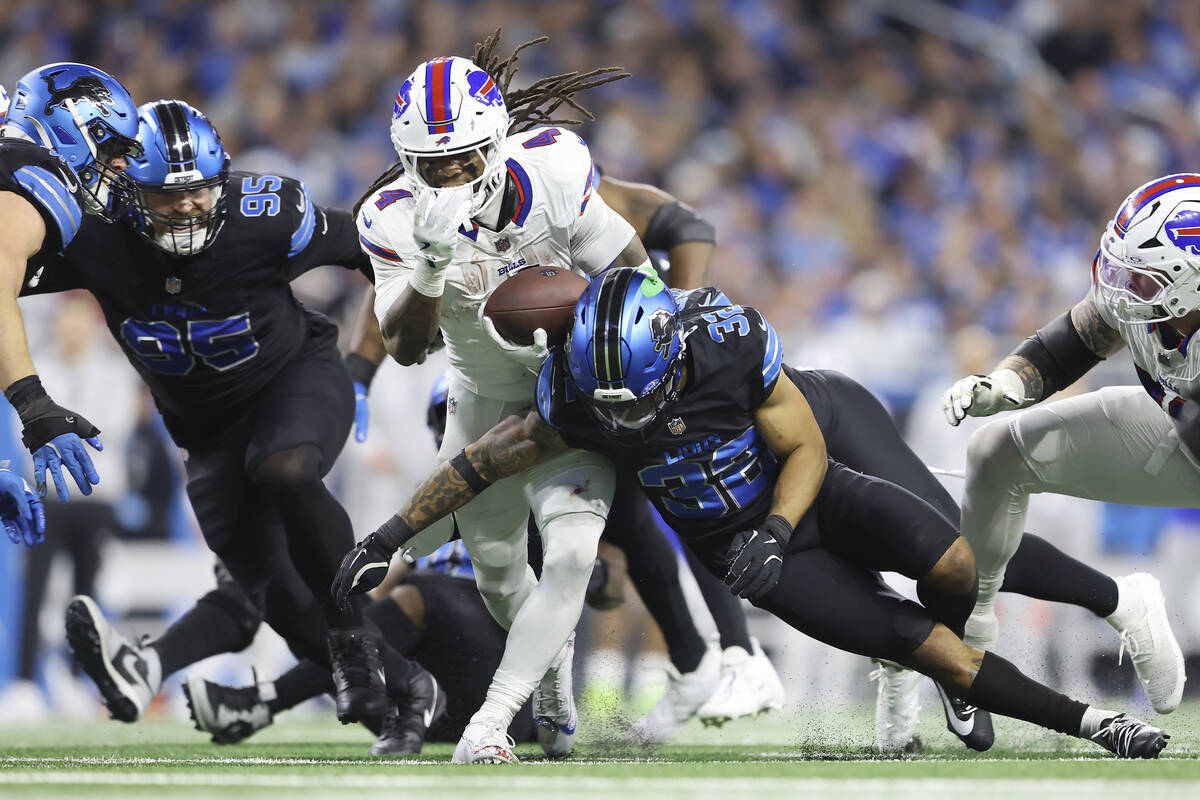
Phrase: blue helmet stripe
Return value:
(304, 231)
(773, 354)
(610, 306)
(54, 196)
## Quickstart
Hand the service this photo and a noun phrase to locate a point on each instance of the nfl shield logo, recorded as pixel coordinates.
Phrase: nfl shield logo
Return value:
(174, 285)
(502, 244)
(676, 426)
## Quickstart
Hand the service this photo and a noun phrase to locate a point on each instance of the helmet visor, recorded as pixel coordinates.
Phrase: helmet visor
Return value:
(181, 220)
(1136, 293)
(619, 411)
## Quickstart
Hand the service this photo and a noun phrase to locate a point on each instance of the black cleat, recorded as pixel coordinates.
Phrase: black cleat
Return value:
(357, 675)
(1130, 738)
(972, 725)
(404, 727)
(229, 714)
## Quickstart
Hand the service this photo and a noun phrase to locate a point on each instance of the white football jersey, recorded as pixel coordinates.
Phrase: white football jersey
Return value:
(1166, 365)
(559, 220)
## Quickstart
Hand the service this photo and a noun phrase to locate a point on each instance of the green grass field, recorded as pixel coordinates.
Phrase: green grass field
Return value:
(804, 755)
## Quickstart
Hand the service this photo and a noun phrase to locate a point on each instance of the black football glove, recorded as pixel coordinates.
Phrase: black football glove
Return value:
(365, 566)
(756, 558)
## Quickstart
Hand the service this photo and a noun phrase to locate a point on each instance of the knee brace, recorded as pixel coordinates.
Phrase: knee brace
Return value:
(238, 606)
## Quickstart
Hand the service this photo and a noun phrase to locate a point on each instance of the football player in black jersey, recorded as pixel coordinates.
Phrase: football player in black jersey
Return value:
(69, 133)
(194, 286)
(691, 400)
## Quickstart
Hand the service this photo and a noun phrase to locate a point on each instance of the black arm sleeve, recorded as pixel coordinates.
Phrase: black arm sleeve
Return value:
(51, 274)
(1059, 354)
(673, 224)
(334, 241)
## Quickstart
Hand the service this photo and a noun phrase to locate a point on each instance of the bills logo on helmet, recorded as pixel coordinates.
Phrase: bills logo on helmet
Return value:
(443, 140)
(87, 87)
(401, 99)
(484, 89)
(1183, 230)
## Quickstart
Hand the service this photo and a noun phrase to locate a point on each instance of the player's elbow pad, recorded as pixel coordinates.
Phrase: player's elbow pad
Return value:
(1058, 353)
(674, 224)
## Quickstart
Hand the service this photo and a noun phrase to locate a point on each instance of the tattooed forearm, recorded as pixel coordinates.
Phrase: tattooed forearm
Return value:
(1031, 378)
(1098, 335)
(410, 325)
(443, 492)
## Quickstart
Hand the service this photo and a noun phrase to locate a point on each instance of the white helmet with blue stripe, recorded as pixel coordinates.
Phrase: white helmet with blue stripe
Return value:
(449, 106)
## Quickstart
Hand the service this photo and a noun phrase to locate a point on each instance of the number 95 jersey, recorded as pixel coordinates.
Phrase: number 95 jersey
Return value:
(702, 462)
(207, 332)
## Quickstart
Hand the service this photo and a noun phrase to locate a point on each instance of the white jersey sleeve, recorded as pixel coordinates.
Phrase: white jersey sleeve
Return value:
(385, 235)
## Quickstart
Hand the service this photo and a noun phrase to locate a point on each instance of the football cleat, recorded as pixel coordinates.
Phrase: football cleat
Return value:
(748, 686)
(1141, 620)
(357, 675)
(485, 742)
(228, 714)
(1130, 738)
(969, 723)
(554, 705)
(127, 674)
(406, 723)
(684, 696)
(897, 706)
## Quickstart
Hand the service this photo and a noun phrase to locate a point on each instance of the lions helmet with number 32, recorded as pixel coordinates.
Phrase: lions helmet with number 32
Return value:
(448, 106)
(88, 118)
(1148, 267)
(183, 153)
(625, 349)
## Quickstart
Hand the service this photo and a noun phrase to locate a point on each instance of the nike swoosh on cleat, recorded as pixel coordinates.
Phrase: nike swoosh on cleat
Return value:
(427, 714)
(962, 727)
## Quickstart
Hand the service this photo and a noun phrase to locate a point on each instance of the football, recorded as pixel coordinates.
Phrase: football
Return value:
(535, 297)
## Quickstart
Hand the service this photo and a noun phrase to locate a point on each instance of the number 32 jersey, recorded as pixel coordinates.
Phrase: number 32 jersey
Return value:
(702, 464)
(207, 332)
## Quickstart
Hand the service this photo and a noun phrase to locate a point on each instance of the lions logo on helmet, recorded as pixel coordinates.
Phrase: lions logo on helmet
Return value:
(86, 87)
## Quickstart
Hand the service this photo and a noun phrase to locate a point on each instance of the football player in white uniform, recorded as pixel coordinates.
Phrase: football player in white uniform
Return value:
(1124, 444)
(481, 194)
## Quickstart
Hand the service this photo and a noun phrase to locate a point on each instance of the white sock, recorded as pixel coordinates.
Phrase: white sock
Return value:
(1093, 721)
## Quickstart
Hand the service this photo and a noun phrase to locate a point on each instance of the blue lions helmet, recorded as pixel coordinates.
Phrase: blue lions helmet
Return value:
(624, 351)
(179, 181)
(439, 398)
(88, 119)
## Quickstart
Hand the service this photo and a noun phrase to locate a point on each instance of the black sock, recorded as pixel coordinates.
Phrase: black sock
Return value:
(951, 610)
(1039, 569)
(395, 626)
(222, 621)
(1000, 687)
(298, 684)
(725, 607)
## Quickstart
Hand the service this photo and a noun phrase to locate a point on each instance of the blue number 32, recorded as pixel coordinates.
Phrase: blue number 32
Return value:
(731, 477)
(221, 343)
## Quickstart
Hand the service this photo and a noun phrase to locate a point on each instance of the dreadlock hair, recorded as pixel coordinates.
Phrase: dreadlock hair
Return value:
(389, 175)
(535, 105)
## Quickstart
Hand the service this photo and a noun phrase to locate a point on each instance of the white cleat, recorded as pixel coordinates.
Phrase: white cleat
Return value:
(682, 700)
(1141, 620)
(128, 675)
(485, 742)
(554, 711)
(897, 706)
(748, 686)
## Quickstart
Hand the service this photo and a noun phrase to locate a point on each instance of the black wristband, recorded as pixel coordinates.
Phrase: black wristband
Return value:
(675, 223)
(1058, 353)
(462, 465)
(394, 533)
(28, 398)
(361, 369)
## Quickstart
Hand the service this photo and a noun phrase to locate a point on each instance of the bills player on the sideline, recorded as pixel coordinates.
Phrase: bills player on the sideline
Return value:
(481, 195)
(1121, 444)
(67, 136)
(697, 402)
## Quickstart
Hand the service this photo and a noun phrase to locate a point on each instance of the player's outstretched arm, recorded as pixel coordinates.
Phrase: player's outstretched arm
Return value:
(21, 233)
(664, 223)
(514, 445)
(786, 423)
(1053, 358)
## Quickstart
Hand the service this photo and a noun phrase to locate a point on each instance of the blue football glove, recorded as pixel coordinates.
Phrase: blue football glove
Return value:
(66, 450)
(21, 510)
(55, 435)
(756, 558)
(362, 414)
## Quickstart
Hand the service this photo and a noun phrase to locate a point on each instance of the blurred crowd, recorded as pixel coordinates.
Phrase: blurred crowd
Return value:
(904, 186)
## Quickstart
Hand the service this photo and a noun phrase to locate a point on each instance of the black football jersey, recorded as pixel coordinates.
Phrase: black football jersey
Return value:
(703, 464)
(44, 179)
(208, 331)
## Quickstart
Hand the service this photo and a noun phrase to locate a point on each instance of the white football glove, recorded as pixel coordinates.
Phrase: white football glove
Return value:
(983, 395)
(530, 356)
(438, 214)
